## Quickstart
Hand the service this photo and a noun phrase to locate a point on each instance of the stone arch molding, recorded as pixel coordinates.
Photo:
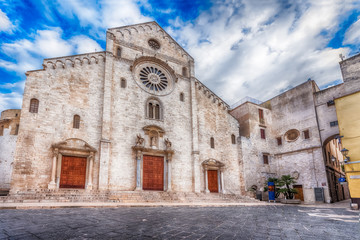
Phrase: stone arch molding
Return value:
(153, 75)
(71, 147)
(212, 164)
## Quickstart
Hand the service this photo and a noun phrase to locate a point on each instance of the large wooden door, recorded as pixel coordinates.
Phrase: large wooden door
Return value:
(299, 194)
(153, 173)
(73, 172)
(213, 181)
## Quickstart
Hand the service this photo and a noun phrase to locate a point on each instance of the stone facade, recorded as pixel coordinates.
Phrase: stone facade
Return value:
(111, 92)
(9, 127)
(120, 115)
(303, 110)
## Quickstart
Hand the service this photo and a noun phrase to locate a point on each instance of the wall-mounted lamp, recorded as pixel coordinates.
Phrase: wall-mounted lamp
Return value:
(333, 158)
(345, 152)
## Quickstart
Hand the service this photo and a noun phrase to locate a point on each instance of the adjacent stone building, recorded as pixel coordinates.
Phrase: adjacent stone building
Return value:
(9, 128)
(134, 117)
(294, 133)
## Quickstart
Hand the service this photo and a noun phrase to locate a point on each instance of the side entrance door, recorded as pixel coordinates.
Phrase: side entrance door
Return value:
(153, 173)
(299, 194)
(73, 172)
(213, 181)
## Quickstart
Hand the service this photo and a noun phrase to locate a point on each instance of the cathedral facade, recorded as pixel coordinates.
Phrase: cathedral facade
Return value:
(133, 117)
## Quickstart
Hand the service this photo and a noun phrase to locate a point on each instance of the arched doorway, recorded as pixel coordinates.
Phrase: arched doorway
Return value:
(214, 177)
(333, 159)
(72, 165)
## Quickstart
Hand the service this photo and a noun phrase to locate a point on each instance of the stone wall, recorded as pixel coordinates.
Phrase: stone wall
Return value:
(215, 121)
(65, 87)
(350, 68)
(8, 123)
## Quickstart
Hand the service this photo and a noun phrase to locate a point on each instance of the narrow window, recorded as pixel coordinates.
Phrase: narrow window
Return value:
(184, 71)
(261, 116)
(1, 130)
(123, 83)
(331, 103)
(157, 111)
(306, 134)
(76, 122)
(17, 129)
(118, 52)
(233, 140)
(212, 142)
(151, 111)
(181, 97)
(279, 141)
(34, 105)
(262, 133)
(266, 158)
(334, 123)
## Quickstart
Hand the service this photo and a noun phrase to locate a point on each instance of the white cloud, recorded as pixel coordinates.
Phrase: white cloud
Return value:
(5, 24)
(103, 15)
(84, 44)
(352, 35)
(14, 98)
(29, 54)
(260, 48)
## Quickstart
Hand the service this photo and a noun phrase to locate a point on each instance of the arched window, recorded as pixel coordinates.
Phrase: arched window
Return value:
(118, 52)
(123, 83)
(212, 142)
(151, 110)
(184, 71)
(181, 97)
(157, 111)
(154, 109)
(76, 121)
(233, 140)
(34, 105)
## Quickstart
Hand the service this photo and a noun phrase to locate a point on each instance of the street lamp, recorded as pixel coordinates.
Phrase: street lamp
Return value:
(333, 158)
(345, 152)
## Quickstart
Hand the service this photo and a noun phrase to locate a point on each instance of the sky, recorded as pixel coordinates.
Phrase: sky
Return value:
(255, 48)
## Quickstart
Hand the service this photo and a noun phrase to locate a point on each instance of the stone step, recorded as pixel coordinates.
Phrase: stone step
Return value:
(120, 196)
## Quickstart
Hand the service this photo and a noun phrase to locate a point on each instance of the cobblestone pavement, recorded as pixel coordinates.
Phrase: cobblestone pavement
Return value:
(241, 222)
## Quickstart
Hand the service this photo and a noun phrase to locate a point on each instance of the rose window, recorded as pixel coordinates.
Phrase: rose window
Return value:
(154, 44)
(153, 79)
(292, 135)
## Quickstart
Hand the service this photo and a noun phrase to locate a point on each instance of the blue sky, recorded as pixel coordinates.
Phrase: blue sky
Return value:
(256, 48)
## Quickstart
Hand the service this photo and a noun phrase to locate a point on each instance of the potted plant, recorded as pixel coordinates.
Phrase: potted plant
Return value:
(286, 181)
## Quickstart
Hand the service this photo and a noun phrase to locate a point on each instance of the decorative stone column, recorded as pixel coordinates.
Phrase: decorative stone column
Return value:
(138, 171)
(222, 180)
(206, 181)
(169, 172)
(52, 184)
(91, 163)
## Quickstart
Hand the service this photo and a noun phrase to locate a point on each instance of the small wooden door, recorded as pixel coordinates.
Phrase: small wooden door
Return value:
(299, 194)
(153, 173)
(213, 181)
(73, 172)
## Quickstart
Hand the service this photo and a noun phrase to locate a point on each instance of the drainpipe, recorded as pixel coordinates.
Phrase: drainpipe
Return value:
(318, 127)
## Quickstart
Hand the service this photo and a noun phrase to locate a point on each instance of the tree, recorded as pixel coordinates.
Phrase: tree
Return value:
(287, 181)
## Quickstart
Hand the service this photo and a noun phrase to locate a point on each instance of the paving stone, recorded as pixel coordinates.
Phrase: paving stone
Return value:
(241, 222)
